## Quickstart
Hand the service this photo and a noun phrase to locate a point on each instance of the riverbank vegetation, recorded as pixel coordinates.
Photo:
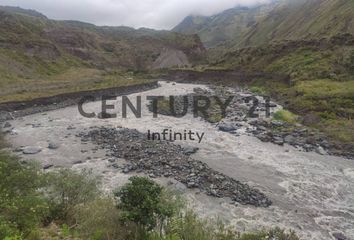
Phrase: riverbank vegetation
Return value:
(64, 204)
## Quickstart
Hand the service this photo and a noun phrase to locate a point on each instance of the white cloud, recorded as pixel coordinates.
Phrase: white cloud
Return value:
(158, 14)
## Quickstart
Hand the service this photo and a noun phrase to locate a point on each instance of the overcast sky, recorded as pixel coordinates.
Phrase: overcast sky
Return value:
(158, 14)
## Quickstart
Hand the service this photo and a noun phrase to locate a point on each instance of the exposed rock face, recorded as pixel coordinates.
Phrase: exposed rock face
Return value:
(171, 58)
(162, 159)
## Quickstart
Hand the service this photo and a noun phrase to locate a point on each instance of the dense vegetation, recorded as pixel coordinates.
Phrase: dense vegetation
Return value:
(65, 204)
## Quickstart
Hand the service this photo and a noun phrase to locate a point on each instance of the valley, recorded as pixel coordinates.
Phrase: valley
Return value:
(310, 193)
(247, 114)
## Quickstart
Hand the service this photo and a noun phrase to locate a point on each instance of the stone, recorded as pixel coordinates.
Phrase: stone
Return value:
(190, 184)
(289, 139)
(53, 146)
(321, 151)
(190, 150)
(278, 140)
(115, 165)
(180, 187)
(339, 236)
(226, 127)
(48, 166)
(278, 123)
(31, 150)
(169, 160)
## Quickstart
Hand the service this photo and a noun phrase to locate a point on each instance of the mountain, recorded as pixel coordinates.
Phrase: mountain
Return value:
(231, 24)
(278, 21)
(306, 46)
(301, 19)
(32, 45)
(40, 57)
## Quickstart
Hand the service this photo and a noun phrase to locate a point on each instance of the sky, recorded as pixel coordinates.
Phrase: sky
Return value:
(157, 14)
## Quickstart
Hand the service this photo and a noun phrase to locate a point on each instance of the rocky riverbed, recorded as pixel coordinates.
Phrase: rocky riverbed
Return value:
(162, 159)
(310, 192)
(250, 113)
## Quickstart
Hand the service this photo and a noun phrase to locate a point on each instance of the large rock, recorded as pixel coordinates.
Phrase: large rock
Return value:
(227, 127)
(31, 150)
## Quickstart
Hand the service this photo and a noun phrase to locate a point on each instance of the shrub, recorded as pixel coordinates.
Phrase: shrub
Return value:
(258, 90)
(285, 116)
(100, 219)
(188, 226)
(22, 206)
(66, 189)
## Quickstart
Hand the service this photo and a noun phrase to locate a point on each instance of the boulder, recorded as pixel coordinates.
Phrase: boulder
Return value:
(31, 150)
(227, 127)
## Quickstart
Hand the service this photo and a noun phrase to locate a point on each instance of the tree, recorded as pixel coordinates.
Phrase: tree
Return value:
(145, 203)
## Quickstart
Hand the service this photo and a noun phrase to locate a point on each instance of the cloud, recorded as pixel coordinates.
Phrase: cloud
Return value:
(158, 14)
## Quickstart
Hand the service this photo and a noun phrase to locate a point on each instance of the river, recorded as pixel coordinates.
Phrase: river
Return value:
(312, 194)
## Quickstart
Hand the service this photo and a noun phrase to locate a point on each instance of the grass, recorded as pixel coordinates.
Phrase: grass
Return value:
(258, 90)
(339, 129)
(303, 64)
(325, 88)
(285, 116)
(71, 80)
(3, 144)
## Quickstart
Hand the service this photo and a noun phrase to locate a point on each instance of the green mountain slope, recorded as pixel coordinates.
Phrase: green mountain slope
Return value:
(39, 53)
(293, 20)
(231, 24)
(278, 21)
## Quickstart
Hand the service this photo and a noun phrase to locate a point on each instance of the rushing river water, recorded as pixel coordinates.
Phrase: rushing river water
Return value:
(311, 193)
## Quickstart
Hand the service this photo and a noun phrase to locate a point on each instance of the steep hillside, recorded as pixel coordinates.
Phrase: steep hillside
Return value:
(301, 19)
(36, 52)
(229, 25)
(278, 21)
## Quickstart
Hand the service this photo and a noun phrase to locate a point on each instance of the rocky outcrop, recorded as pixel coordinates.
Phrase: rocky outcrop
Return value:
(171, 58)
